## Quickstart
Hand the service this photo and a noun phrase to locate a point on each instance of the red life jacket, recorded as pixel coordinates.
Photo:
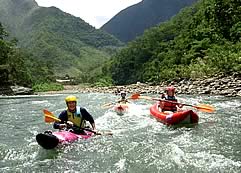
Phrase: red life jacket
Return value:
(167, 106)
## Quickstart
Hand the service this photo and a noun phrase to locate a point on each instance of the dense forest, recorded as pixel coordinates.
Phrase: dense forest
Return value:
(17, 66)
(202, 40)
(69, 45)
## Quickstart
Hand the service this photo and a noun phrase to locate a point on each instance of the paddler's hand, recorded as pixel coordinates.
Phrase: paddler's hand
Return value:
(96, 132)
(180, 105)
(62, 126)
(70, 124)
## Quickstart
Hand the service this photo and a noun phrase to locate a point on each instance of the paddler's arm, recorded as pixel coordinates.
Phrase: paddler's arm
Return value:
(93, 126)
(64, 118)
(180, 105)
(86, 115)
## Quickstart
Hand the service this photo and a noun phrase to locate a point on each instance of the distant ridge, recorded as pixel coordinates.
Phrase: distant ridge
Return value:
(132, 21)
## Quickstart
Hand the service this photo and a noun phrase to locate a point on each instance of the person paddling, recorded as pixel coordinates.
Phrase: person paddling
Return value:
(74, 117)
(169, 96)
(123, 98)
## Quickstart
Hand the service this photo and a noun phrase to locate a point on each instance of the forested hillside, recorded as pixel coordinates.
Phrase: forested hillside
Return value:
(201, 40)
(67, 43)
(18, 67)
(132, 21)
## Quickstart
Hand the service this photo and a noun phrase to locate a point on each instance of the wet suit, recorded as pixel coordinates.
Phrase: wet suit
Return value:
(85, 116)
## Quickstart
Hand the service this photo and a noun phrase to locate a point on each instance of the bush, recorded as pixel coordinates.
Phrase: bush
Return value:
(43, 87)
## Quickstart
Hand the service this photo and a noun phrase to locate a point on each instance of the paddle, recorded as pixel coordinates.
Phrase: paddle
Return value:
(49, 117)
(108, 105)
(133, 97)
(200, 107)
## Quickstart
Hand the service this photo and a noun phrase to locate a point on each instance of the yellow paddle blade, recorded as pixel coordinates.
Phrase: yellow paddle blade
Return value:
(49, 117)
(205, 108)
(46, 112)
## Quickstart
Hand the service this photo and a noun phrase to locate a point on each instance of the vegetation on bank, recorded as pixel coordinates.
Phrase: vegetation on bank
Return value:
(67, 43)
(20, 67)
(42, 87)
(17, 66)
(201, 40)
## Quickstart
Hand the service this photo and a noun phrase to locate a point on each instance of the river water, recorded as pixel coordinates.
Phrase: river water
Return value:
(139, 143)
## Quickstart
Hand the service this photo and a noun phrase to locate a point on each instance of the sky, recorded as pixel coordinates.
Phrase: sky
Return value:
(94, 12)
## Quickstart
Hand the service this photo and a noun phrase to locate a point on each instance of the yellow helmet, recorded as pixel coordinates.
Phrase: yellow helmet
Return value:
(71, 99)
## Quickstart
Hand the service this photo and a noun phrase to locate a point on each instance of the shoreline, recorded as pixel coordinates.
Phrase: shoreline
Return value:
(229, 86)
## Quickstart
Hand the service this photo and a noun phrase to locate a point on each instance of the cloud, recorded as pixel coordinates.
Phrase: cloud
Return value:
(94, 12)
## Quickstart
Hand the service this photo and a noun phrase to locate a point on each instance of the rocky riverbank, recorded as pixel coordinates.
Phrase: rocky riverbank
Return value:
(229, 86)
(15, 90)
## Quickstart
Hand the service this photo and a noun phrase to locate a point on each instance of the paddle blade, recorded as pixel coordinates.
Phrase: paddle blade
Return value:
(205, 108)
(46, 112)
(135, 96)
(104, 133)
(138, 96)
(49, 117)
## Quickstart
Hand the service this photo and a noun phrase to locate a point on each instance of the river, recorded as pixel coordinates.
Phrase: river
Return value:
(139, 143)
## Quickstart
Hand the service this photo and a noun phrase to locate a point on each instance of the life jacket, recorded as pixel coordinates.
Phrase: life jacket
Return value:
(167, 106)
(76, 118)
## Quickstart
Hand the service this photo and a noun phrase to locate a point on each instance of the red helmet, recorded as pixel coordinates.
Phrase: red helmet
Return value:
(170, 88)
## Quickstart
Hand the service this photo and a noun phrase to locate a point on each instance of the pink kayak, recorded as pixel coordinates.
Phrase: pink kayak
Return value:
(50, 140)
(183, 117)
(121, 108)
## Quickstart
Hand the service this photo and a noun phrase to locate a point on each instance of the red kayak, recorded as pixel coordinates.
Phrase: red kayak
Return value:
(121, 108)
(184, 117)
(50, 140)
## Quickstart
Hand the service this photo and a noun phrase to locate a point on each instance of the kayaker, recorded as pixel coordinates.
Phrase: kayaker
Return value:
(74, 117)
(123, 98)
(169, 96)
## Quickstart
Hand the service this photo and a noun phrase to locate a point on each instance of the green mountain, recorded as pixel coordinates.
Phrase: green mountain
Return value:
(131, 22)
(19, 67)
(202, 40)
(67, 43)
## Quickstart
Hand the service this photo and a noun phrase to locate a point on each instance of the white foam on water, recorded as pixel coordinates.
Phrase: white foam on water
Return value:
(120, 164)
(39, 102)
(230, 104)
(137, 117)
(212, 162)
